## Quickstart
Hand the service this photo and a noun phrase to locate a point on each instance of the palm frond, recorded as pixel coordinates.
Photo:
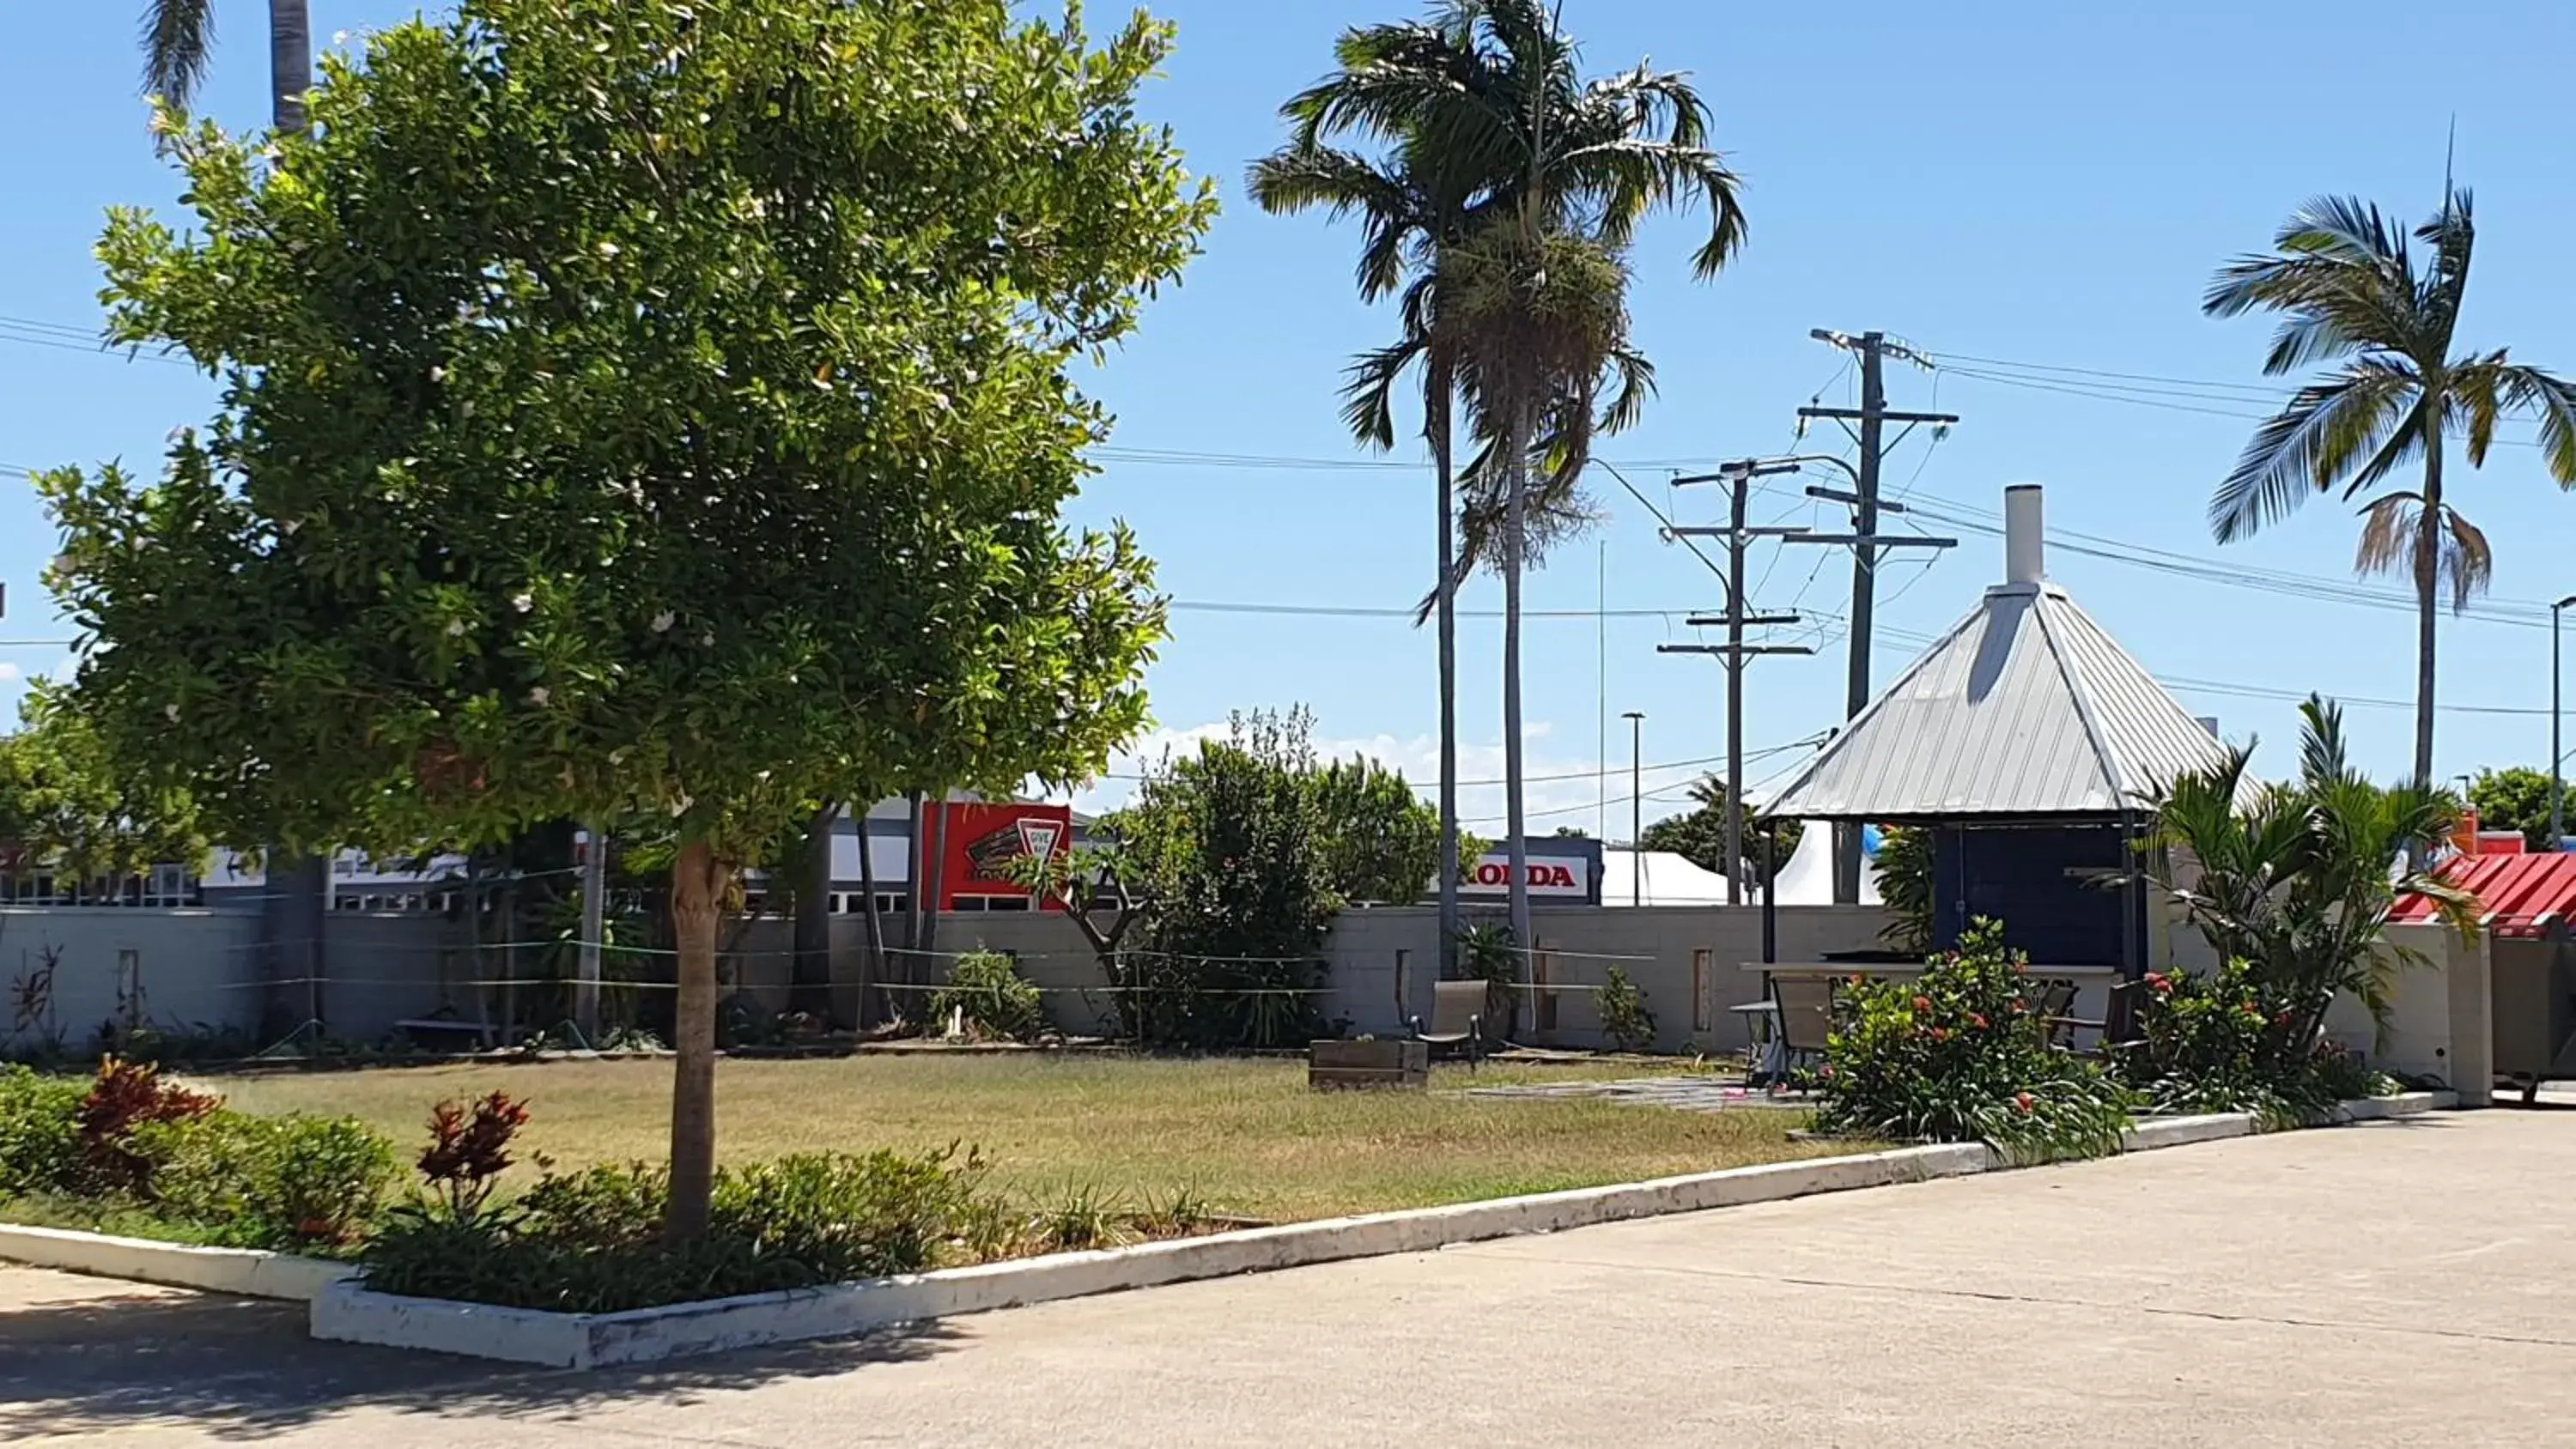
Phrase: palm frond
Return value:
(1368, 392)
(2305, 447)
(2392, 540)
(178, 38)
(2344, 229)
(2553, 401)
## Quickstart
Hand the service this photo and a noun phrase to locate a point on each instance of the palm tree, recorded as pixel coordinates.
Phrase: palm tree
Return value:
(179, 39)
(2348, 284)
(1484, 116)
(2295, 879)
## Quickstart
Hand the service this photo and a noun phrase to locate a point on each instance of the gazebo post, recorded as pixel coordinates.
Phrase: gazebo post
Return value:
(1771, 891)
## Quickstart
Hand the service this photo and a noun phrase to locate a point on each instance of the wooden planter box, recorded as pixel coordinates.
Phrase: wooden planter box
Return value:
(1333, 1065)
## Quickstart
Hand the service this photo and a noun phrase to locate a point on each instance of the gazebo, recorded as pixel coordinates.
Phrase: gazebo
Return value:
(2024, 742)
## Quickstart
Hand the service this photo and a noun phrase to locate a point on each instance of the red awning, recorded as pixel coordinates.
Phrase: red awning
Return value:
(2515, 892)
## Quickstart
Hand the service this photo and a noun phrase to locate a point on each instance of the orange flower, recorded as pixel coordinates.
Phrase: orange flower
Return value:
(2021, 1101)
(1923, 1003)
(1977, 1020)
(1940, 1033)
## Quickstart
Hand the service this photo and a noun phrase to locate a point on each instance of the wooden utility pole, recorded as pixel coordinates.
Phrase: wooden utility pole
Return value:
(1873, 417)
(1738, 536)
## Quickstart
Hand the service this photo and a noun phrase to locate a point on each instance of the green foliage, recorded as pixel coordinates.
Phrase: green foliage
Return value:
(486, 551)
(2515, 798)
(2233, 1042)
(131, 1152)
(1905, 885)
(1381, 843)
(591, 1242)
(1230, 846)
(1486, 953)
(2296, 880)
(1955, 1055)
(73, 807)
(305, 1183)
(1700, 834)
(1625, 1018)
(996, 1003)
(39, 1130)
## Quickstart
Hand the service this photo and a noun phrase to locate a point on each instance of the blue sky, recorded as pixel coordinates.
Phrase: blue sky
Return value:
(2044, 184)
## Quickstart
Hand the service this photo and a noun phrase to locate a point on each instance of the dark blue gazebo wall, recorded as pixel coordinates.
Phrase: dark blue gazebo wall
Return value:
(2045, 883)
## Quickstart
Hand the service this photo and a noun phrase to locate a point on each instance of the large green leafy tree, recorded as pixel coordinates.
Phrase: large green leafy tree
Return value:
(2353, 292)
(1477, 112)
(1699, 834)
(637, 406)
(2515, 798)
(179, 40)
(67, 805)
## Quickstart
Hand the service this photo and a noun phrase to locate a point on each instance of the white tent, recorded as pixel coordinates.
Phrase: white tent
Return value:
(1670, 879)
(1807, 879)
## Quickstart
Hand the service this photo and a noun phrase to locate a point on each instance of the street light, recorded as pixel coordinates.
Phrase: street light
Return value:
(2557, 791)
(1636, 807)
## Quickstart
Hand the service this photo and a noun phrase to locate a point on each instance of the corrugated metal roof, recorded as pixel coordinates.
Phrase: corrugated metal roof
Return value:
(2024, 708)
(2515, 892)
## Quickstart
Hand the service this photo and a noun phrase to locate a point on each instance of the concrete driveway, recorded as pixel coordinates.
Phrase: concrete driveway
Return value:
(2404, 1283)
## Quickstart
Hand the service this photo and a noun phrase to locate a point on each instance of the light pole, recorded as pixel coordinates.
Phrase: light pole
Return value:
(1636, 807)
(2557, 790)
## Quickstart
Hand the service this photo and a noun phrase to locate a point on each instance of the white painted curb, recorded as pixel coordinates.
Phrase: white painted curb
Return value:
(2381, 1109)
(349, 1313)
(2150, 1133)
(242, 1271)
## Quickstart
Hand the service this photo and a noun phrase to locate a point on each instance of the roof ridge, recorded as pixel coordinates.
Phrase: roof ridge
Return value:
(2080, 690)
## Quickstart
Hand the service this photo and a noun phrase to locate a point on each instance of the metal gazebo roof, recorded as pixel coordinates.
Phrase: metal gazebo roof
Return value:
(2026, 709)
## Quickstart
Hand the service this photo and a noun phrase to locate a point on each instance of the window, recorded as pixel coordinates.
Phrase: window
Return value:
(1703, 990)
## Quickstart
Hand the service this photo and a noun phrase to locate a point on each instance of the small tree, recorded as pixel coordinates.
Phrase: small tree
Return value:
(2299, 881)
(637, 406)
(2516, 798)
(1381, 843)
(1699, 835)
(67, 804)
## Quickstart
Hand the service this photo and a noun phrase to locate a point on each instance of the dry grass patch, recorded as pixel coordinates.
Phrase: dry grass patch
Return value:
(1246, 1136)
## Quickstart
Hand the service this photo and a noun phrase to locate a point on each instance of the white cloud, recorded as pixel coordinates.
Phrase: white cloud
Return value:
(8, 671)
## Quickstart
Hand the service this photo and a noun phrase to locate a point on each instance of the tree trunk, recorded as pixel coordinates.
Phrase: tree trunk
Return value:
(1515, 454)
(935, 846)
(290, 62)
(699, 880)
(810, 982)
(1443, 462)
(872, 965)
(2428, 558)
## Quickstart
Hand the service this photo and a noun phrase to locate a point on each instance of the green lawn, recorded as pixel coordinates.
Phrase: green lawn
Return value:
(1245, 1135)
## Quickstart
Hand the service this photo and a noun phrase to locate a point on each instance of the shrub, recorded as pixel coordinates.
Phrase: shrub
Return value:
(1486, 953)
(840, 1216)
(986, 991)
(2237, 1041)
(590, 1242)
(126, 1096)
(39, 1130)
(268, 1182)
(1625, 1018)
(469, 1148)
(1955, 1055)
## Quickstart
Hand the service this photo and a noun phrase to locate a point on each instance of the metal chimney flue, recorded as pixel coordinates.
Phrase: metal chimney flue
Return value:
(2025, 545)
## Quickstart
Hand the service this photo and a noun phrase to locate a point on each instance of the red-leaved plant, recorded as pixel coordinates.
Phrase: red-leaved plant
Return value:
(126, 1096)
(469, 1148)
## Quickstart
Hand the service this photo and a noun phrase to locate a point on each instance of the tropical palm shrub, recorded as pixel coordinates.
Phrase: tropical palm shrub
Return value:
(2299, 880)
(1956, 1055)
(987, 994)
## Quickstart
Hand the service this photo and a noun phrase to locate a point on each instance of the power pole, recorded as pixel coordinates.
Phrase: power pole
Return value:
(1739, 536)
(1873, 417)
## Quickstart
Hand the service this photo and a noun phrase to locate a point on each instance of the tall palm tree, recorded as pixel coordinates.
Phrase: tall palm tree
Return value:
(1484, 116)
(179, 40)
(2351, 291)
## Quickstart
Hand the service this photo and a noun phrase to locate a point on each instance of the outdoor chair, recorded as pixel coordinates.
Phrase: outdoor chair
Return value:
(1457, 1018)
(1806, 1017)
(2050, 1001)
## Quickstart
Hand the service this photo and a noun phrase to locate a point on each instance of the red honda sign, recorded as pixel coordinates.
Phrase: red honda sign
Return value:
(1549, 875)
